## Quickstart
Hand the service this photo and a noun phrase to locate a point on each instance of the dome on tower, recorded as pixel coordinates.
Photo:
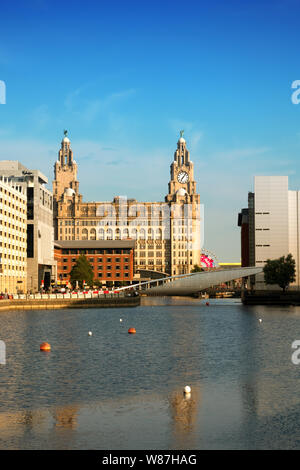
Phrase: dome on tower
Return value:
(65, 139)
(181, 192)
(69, 192)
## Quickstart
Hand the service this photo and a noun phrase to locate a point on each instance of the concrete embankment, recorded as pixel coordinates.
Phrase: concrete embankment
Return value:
(270, 298)
(50, 304)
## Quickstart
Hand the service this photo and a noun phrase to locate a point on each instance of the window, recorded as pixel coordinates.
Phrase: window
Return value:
(30, 241)
(30, 203)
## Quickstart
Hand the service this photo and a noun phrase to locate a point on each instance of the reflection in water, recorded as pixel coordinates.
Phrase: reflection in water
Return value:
(184, 415)
(66, 417)
(126, 392)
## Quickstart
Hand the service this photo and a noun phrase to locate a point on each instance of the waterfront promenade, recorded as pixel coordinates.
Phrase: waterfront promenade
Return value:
(70, 300)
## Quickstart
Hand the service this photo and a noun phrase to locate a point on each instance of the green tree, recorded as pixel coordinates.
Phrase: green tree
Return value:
(82, 271)
(197, 269)
(280, 271)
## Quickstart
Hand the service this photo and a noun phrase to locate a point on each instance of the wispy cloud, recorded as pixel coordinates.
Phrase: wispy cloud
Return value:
(91, 108)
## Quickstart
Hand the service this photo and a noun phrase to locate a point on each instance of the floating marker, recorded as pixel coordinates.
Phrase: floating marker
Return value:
(132, 330)
(260, 320)
(121, 319)
(90, 333)
(207, 304)
(187, 389)
(45, 347)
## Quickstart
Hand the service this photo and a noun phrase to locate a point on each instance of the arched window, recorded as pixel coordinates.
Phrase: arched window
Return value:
(93, 234)
(101, 234)
(134, 233)
(85, 234)
(109, 234)
(158, 234)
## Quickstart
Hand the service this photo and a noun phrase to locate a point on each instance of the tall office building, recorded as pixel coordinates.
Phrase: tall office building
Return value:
(13, 237)
(273, 224)
(41, 266)
(167, 233)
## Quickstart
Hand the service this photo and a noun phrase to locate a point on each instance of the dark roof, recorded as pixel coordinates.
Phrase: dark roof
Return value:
(94, 243)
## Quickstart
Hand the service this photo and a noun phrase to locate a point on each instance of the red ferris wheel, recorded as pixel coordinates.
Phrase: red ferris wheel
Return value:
(208, 259)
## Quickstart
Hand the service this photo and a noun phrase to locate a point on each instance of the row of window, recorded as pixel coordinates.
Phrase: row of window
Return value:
(107, 275)
(143, 254)
(11, 194)
(108, 268)
(13, 267)
(91, 251)
(99, 260)
(15, 257)
(12, 247)
(13, 206)
(118, 223)
(151, 262)
(14, 227)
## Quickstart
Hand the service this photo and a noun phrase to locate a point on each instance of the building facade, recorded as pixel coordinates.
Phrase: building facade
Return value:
(112, 260)
(13, 237)
(273, 225)
(41, 267)
(167, 234)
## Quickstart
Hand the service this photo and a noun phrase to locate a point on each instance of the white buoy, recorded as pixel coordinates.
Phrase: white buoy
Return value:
(260, 320)
(121, 319)
(90, 333)
(187, 389)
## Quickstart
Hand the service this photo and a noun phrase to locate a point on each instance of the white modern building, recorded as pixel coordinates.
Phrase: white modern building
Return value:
(41, 266)
(13, 237)
(274, 224)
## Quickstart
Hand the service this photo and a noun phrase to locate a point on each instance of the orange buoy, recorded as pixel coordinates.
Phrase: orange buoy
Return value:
(132, 330)
(45, 347)
(207, 303)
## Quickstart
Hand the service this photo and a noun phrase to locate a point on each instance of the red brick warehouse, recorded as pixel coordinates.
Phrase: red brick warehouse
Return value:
(111, 260)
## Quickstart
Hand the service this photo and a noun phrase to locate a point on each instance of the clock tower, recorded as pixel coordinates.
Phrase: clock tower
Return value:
(184, 205)
(182, 185)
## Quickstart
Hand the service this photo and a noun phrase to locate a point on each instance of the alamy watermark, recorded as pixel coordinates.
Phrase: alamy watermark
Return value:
(2, 353)
(2, 92)
(296, 354)
(150, 221)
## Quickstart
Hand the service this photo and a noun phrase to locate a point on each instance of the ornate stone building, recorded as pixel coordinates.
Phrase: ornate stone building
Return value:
(167, 233)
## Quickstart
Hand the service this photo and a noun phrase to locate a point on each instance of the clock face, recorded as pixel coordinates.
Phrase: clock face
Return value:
(182, 177)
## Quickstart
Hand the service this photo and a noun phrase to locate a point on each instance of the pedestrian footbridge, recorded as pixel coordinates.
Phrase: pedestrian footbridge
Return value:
(192, 283)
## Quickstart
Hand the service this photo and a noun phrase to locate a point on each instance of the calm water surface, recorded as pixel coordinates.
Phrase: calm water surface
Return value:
(119, 391)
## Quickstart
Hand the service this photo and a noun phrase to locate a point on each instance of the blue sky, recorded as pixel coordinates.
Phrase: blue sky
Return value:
(125, 77)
